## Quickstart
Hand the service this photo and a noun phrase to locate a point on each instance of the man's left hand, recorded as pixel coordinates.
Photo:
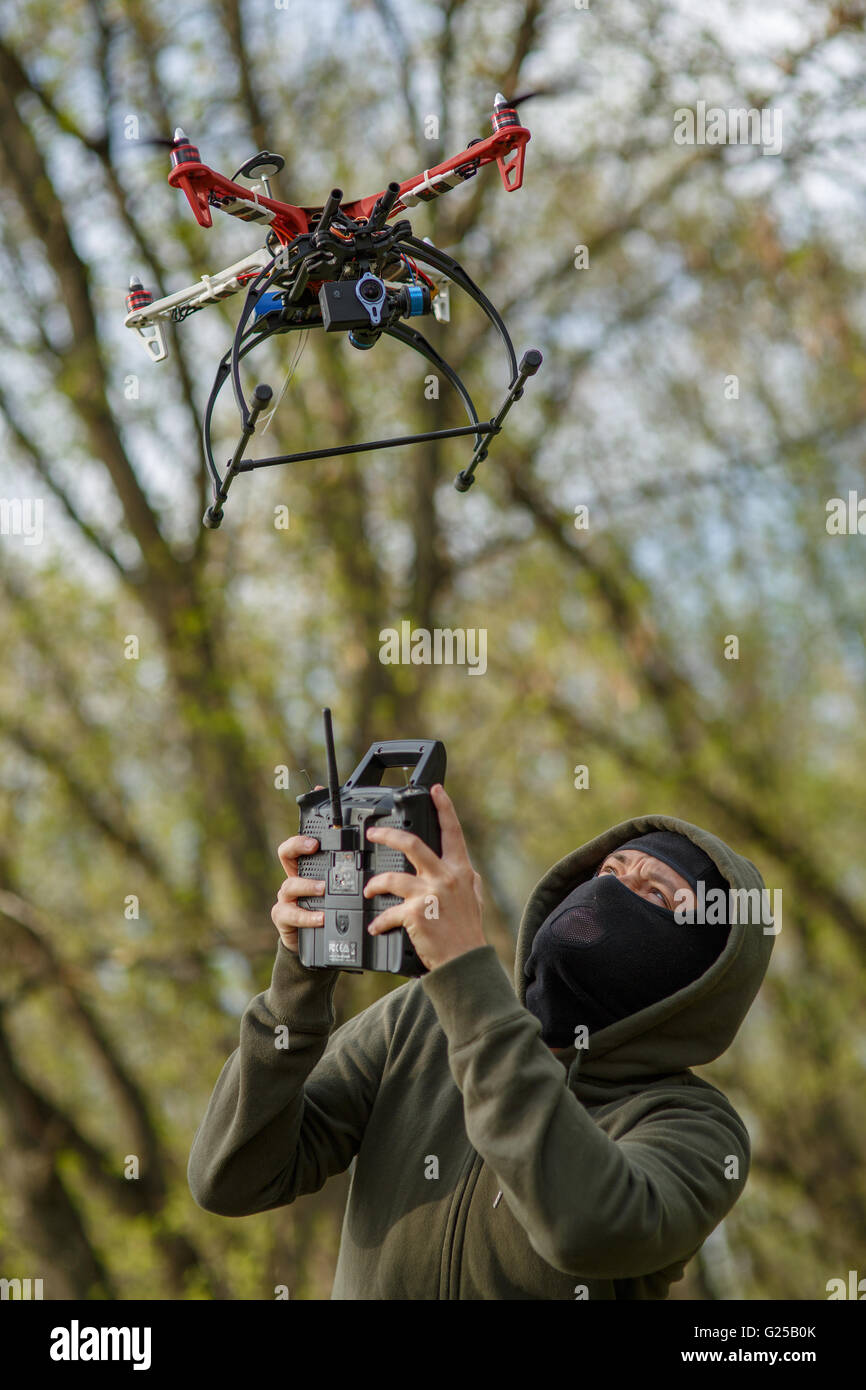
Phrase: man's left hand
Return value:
(442, 900)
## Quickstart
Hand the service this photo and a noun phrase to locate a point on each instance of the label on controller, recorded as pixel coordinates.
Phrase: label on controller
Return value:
(342, 953)
(344, 873)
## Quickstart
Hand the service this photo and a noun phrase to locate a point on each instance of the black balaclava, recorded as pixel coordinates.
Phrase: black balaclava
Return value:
(605, 952)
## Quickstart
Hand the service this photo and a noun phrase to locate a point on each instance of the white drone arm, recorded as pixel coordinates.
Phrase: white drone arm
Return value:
(208, 290)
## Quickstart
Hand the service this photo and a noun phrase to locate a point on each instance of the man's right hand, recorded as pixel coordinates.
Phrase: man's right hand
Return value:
(285, 914)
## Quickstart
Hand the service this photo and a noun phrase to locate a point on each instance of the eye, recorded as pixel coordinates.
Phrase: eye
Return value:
(662, 896)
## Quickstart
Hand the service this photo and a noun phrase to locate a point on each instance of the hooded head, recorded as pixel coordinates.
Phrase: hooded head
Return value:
(656, 994)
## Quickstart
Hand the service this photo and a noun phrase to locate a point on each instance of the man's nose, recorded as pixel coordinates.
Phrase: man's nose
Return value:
(634, 880)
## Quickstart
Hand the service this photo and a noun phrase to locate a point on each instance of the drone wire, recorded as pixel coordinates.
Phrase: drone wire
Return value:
(251, 339)
(293, 367)
(416, 273)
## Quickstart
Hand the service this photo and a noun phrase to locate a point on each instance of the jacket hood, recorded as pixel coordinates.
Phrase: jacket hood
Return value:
(692, 1026)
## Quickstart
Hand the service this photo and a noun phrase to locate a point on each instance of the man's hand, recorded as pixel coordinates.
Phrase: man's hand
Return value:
(442, 900)
(285, 914)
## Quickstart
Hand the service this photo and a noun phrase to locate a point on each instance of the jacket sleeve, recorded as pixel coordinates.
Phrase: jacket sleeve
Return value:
(590, 1204)
(283, 1117)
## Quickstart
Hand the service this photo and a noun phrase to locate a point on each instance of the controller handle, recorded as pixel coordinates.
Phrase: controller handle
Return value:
(426, 755)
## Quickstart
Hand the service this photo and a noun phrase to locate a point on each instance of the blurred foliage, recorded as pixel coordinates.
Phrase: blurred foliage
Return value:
(154, 778)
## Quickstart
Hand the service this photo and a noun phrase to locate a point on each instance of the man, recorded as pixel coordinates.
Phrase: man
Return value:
(542, 1140)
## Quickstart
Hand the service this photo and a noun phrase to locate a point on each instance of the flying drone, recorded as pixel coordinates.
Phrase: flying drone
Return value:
(342, 267)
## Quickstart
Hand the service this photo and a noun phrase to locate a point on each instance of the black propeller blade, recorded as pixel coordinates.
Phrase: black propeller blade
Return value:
(163, 141)
(582, 78)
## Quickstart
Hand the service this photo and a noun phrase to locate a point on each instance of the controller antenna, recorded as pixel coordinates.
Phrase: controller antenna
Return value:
(333, 776)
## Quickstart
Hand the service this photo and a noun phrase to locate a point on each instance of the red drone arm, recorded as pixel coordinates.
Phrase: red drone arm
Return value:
(204, 187)
(199, 183)
(196, 192)
(496, 147)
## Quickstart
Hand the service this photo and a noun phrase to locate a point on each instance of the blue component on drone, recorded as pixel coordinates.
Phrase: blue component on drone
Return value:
(268, 304)
(416, 300)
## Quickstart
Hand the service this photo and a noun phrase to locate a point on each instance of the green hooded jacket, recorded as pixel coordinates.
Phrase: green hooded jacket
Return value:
(484, 1166)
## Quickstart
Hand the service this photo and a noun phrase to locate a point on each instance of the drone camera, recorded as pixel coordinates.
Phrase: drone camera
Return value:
(372, 294)
(352, 303)
(360, 304)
